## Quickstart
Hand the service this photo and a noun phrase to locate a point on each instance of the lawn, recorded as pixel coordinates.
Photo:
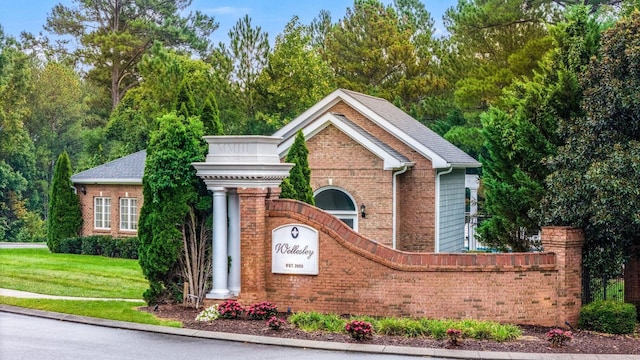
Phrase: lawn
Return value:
(39, 271)
(114, 310)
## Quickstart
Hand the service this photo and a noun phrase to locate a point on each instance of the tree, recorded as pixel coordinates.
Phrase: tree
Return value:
(20, 219)
(211, 117)
(173, 228)
(522, 135)
(298, 184)
(294, 78)
(372, 50)
(596, 173)
(65, 217)
(115, 34)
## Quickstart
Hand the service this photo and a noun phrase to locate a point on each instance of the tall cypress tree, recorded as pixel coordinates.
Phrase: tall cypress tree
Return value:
(210, 117)
(299, 179)
(65, 217)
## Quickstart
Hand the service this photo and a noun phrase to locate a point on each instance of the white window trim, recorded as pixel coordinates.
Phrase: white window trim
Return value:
(105, 217)
(342, 214)
(131, 219)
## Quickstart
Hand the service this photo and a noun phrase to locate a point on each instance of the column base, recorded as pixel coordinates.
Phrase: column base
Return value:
(219, 294)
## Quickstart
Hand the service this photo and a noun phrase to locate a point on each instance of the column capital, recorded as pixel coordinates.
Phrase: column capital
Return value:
(217, 189)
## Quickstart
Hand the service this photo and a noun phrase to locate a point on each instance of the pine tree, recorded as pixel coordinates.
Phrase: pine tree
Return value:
(300, 175)
(65, 217)
(210, 117)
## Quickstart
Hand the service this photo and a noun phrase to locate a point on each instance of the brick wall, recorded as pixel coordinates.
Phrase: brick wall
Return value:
(115, 192)
(361, 276)
(352, 167)
(632, 282)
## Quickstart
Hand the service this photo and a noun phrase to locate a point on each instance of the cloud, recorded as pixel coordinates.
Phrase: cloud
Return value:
(227, 10)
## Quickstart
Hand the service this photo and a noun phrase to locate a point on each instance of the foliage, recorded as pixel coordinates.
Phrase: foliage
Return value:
(275, 323)
(65, 217)
(596, 173)
(114, 38)
(209, 314)
(298, 183)
(294, 78)
(559, 337)
(359, 330)
(607, 316)
(74, 275)
(454, 335)
(520, 137)
(112, 310)
(261, 311)
(172, 228)
(124, 248)
(17, 155)
(231, 309)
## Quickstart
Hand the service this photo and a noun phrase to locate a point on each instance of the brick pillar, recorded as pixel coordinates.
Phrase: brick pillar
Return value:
(632, 282)
(566, 243)
(253, 244)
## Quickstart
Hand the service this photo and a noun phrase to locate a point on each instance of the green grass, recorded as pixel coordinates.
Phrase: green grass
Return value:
(38, 270)
(113, 310)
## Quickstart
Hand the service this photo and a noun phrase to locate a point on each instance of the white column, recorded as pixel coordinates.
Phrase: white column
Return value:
(220, 289)
(234, 242)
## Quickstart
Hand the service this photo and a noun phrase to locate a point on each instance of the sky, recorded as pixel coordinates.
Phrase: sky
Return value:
(271, 16)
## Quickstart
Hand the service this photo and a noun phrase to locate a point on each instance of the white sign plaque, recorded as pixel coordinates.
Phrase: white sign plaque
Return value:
(294, 250)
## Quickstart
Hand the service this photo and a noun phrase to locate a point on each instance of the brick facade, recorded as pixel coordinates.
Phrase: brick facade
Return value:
(115, 193)
(360, 276)
(632, 282)
(337, 160)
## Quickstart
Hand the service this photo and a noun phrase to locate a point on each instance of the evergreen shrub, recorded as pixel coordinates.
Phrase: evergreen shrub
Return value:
(607, 316)
(71, 245)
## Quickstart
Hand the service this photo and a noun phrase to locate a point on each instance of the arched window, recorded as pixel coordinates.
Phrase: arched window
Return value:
(338, 203)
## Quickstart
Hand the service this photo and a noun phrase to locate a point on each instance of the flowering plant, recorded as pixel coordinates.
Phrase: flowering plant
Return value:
(454, 336)
(261, 311)
(359, 330)
(559, 337)
(208, 314)
(274, 323)
(230, 309)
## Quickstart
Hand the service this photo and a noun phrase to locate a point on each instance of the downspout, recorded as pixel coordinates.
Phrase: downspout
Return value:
(394, 206)
(437, 234)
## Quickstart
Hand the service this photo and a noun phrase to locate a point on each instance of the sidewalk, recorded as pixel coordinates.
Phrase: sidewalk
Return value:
(30, 295)
(320, 345)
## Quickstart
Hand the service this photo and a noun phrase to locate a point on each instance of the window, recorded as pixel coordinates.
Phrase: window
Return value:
(338, 203)
(102, 213)
(128, 214)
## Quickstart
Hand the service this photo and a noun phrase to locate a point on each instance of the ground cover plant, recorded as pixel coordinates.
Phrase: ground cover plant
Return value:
(38, 270)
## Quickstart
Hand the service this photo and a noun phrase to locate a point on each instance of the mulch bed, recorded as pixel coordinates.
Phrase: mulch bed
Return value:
(533, 338)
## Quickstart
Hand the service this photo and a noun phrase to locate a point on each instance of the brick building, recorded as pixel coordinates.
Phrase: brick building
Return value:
(380, 171)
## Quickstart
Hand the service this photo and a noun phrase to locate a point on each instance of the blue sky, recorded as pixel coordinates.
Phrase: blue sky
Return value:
(272, 16)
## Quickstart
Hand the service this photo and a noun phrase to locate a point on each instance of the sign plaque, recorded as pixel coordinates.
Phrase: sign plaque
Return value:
(294, 250)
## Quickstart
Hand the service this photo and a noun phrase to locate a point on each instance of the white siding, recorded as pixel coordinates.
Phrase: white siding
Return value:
(452, 206)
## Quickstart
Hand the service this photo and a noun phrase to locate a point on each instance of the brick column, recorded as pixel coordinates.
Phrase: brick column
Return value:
(566, 243)
(253, 244)
(632, 282)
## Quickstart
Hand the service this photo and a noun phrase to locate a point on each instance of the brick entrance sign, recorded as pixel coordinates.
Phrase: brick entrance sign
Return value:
(361, 276)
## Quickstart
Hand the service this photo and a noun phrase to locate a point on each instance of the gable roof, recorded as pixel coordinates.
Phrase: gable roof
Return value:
(125, 170)
(425, 141)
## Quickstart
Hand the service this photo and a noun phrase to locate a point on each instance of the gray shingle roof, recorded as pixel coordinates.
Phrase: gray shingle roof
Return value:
(414, 129)
(370, 137)
(128, 169)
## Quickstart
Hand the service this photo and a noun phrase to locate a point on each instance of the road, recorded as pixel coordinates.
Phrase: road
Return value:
(25, 337)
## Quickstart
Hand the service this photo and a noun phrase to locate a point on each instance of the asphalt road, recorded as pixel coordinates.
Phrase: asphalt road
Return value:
(26, 337)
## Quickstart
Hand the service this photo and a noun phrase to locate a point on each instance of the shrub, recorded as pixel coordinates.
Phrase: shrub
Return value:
(209, 314)
(71, 245)
(454, 336)
(261, 311)
(612, 317)
(359, 330)
(91, 245)
(230, 309)
(275, 324)
(559, 337)
(128, 247)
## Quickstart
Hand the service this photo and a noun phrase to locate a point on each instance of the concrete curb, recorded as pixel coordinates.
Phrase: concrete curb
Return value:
(309, 344)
